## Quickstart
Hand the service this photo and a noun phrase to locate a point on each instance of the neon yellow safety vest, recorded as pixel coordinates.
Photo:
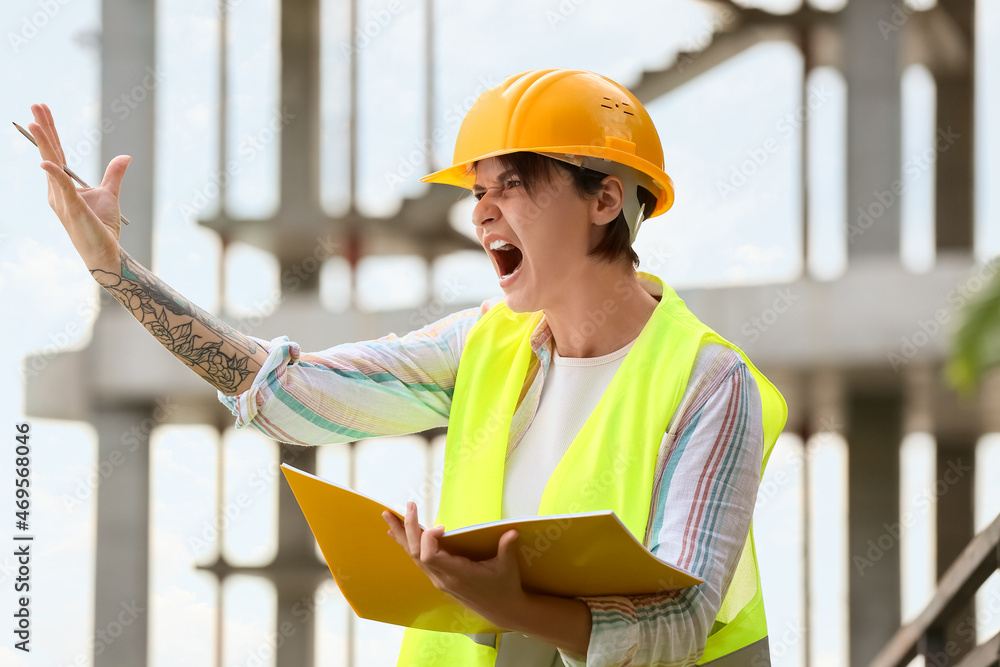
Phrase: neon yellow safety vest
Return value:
(635, 409)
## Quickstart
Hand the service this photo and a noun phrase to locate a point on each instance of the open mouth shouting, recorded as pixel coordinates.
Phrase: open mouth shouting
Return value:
(507, 258)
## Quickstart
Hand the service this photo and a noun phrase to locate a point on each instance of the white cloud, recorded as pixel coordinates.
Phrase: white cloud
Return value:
(51, 289)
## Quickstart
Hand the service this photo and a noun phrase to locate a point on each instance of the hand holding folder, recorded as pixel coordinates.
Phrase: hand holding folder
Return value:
(590, 553)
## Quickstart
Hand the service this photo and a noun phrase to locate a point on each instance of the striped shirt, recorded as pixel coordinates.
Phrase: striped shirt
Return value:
(706, 481)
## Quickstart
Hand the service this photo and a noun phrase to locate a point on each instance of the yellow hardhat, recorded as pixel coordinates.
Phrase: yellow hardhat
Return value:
(571, 115)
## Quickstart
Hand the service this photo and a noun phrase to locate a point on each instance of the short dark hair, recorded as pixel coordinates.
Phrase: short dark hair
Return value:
(534, 168)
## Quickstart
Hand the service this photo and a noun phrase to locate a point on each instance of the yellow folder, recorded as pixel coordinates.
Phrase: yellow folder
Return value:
(590, 553)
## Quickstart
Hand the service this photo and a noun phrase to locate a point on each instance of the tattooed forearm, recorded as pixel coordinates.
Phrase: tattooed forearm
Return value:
(213, 349)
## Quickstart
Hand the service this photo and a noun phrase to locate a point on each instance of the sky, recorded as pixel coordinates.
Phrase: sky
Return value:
(723, 230)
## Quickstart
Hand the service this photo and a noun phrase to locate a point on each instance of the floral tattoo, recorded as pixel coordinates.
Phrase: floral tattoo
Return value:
(169, 316)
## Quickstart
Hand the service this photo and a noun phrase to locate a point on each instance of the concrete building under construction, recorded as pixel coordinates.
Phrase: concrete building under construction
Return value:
(858, 355)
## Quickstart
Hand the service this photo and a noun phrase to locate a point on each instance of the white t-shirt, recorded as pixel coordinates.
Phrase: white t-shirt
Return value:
(573, 386)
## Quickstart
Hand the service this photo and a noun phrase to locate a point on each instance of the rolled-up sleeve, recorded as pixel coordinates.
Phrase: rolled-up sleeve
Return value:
(704, 505)
(387, 386)
(244, 406)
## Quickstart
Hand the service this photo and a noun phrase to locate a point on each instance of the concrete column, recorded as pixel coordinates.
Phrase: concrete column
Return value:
(294, 536)
(300, 92)
(954, 171)
(122, 579)
(295, 570)
(871, 69)
(300, 210)
(129, 79)
(955, 491)
(874, 431)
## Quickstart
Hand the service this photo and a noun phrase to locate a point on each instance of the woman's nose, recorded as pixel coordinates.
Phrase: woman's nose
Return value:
(484, 211)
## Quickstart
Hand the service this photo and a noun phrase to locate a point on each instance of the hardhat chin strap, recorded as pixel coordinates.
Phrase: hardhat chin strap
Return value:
(634, 211)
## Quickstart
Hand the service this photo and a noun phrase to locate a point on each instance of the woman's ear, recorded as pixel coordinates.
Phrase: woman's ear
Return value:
(608, 202)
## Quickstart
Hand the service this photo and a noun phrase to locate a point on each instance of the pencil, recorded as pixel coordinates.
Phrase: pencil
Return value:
(65, 168)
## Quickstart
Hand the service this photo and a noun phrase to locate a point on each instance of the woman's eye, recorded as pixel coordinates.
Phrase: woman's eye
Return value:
(509, 183)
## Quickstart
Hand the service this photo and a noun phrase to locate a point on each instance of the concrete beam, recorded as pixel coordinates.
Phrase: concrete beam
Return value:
(876, 308)
(845, 323)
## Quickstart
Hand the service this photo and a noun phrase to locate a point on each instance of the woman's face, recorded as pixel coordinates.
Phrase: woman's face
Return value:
(548, 232)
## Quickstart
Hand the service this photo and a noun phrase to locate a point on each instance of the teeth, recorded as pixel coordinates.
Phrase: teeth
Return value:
(500, 244)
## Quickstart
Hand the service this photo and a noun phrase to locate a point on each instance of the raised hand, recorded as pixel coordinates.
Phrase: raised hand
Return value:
(226, 358)
(91, 216)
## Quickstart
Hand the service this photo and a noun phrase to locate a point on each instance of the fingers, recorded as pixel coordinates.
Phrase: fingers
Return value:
(58, 176)
(41, 135)
(63, 194)
(429, 544)
(43, 138)
(505, 548)
(44, 145)
(413, 530)
(396, 530)
(115, 173)
(54, 134)
(406, 533)
(420, 544)
(46, 136)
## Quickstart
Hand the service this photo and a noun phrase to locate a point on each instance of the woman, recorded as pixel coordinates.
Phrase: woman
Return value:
(589, 385)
